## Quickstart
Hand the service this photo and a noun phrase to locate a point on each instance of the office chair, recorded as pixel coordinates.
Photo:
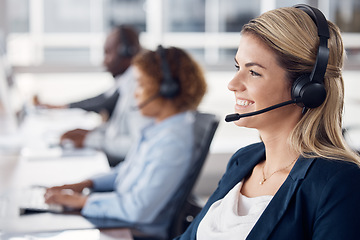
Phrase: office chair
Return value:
(185, 208)
(351, 134)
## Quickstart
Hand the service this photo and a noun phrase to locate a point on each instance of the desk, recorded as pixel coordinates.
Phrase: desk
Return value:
(84, 234)
(19, 171)
(42, 128)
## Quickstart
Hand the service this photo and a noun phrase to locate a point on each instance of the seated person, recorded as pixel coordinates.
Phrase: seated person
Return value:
(170, 87)
(121, 45)
(115, 136)
(302, 181)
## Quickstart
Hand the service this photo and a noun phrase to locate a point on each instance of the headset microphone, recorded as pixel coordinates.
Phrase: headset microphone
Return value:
(146, 102)
(236, 116)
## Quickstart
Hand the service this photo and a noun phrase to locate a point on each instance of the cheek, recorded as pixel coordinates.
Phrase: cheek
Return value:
(151, 109)
(142, 95)
(273, 93)
(107, 58)
(138, 93)
(112, 60)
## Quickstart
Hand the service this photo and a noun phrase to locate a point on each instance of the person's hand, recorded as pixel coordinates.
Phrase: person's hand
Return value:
(65, 197)
(76, 187)
(77, 137)
(38, 103)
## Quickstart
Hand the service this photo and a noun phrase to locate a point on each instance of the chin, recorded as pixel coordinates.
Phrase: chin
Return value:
(241, 123)
(245, 122)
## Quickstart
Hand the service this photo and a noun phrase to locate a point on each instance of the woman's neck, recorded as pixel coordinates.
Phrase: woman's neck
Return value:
(278, 149)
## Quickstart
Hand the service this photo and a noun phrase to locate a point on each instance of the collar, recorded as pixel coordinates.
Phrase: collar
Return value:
(128, 72)
(176, 120)
(245, 161)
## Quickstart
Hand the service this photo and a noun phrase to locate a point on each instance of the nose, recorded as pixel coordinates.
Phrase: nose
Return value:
(237, 83)
(136, 92)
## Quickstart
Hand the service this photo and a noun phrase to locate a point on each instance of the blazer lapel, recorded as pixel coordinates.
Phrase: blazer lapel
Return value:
(242, 167)
(277, 206)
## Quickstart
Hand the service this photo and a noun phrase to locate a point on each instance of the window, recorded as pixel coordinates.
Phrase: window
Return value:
(132, 12)
(346, 15)
(18, 15)
(234, 14)
(184, 16)
(72, 32)
(67, 16)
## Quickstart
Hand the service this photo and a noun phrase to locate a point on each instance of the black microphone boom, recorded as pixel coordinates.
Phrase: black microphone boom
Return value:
(146, 102)
(236, 116)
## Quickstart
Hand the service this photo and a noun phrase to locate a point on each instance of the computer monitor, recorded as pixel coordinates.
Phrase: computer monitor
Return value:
(10, 110)
(8, 117)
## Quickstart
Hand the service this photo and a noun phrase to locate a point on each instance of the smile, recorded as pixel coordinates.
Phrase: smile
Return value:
(243, 102)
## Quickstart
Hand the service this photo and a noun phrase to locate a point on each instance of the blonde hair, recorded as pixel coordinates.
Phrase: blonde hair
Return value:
(292, 35)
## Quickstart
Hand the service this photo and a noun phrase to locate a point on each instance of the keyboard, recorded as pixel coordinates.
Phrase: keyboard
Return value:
(33, 201)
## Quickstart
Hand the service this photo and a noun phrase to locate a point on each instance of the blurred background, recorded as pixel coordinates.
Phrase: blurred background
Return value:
(55, 50)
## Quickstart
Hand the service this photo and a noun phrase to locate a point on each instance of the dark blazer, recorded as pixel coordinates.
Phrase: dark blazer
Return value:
(320, 199)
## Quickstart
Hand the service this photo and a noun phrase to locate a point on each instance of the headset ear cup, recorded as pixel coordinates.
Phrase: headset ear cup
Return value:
(298, 84)
(121, 51)
(169, 86)
(309, 94)
(125, 51)
(169, 89)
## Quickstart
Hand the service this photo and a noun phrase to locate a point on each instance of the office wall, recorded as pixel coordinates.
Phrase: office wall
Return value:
(67, 87)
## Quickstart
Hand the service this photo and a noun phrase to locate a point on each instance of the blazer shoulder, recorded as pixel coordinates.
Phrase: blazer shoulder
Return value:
(245, 153)
(331, 166)
(328, 171)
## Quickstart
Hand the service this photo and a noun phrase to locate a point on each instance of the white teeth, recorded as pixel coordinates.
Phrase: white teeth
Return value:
(243, 102)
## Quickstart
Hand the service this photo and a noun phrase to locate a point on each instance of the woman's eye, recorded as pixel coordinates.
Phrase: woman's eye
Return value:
(237, 67)
(255, 74)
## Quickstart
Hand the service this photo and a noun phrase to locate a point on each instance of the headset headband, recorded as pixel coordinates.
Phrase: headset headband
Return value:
(164, 64)
(322, 56)
(169, 87)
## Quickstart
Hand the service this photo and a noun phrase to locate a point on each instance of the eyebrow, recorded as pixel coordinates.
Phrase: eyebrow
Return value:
(250, 64)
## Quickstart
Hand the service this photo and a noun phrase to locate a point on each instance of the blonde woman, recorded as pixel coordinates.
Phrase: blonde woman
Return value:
(301, 181)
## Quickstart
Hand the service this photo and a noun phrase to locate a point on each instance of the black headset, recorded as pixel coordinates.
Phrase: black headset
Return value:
(308, 90)
(169, 86)
(125, 49)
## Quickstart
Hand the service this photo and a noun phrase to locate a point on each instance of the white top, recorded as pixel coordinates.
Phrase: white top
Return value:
(232, 217)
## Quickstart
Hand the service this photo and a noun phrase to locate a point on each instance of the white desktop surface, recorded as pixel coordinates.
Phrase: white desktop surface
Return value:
(42, 128)
(38, 163)
(19, 173)
(39, 131)
(79, 234)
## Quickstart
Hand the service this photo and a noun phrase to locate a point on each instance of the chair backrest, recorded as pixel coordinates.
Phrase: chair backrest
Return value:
(204, 130)
(205, 126)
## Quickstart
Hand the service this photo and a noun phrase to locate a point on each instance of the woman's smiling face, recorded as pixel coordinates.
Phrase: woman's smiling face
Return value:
(259, 82)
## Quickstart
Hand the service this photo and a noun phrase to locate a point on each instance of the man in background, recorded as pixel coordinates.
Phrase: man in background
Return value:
(120, 46)
(115, 136)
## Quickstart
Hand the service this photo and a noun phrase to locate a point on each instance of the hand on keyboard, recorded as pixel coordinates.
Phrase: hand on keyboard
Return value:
(65, 197)
(33, 201)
